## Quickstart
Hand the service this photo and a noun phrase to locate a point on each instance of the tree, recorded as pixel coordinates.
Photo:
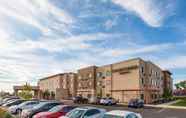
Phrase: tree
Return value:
(46, 94)
(26, 93)
(52, 94)
(181, 85)
(167, 94)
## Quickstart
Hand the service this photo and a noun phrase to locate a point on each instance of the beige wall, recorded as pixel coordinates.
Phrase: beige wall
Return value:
(50, 84)
(86, 81)
(64, 84)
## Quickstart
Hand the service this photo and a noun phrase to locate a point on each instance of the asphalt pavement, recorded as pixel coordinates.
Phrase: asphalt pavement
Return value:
(148, 112)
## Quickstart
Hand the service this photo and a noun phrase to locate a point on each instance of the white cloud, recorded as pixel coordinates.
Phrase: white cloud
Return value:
(136, 50)
(176, 62)
(147, 10)
(37, 13)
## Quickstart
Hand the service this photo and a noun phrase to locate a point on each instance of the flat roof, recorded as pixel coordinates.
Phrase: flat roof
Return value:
(59, 74)
(22, 87)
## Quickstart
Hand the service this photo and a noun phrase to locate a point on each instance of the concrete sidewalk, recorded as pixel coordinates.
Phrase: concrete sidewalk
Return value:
(166, 105)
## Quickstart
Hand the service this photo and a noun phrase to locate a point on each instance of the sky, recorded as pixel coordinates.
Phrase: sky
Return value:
(44, 37)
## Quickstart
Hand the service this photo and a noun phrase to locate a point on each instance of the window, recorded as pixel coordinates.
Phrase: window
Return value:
(90, 75)
(142, 69)
(79, 77)
(99, 74)
(131, 116)
(67, 109)
(108, 73)
(142, 81)
(91, 113)
(142, 96)
(75, 113)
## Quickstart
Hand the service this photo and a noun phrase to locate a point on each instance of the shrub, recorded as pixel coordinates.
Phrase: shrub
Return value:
(4, 114)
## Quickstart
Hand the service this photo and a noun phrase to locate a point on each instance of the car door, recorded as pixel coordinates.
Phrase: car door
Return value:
(93, 113)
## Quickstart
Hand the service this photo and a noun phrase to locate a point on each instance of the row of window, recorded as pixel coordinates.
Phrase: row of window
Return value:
(152, 72)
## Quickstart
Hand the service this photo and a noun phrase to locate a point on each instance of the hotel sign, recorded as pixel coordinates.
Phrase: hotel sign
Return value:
(125, 69)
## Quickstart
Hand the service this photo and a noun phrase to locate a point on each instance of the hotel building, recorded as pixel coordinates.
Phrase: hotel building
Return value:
(134, 78)
(63, 85)
(125, 80)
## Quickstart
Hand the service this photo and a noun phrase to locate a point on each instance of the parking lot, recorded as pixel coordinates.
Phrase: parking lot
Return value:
(148, 112)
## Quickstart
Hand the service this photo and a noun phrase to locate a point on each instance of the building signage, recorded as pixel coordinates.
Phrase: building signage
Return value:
(125, 69)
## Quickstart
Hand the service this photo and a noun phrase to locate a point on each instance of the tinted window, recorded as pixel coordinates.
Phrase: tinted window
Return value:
(131, 116)
(75, 114)
(56, 108)
(49, 106)
(92, 112)
(67, 109)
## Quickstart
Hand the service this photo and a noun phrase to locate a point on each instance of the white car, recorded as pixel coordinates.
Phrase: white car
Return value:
(121, 114)
(108, 101)
(85, 112)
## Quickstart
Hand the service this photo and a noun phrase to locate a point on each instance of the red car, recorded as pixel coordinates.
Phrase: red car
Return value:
(55, 112)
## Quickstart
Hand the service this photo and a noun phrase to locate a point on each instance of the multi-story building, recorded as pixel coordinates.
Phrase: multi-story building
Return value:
(62, 85)
(87, 81)
(125, 80)
(134, 78)
(168, 83)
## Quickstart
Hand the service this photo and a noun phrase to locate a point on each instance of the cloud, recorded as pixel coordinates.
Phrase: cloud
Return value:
(40, 14)
(174, 62)
(147, 10)
(136, 50)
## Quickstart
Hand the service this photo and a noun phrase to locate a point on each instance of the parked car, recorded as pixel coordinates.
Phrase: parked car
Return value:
(121, 114)
(25, 105)
(8, 100)
(55, 112)
(41, 107)
(136, 103)
(108, 101)
(85, 112)
(13, 102)
(80, 99)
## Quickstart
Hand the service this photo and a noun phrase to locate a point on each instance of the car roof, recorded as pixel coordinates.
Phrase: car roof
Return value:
(88, 108)
(118, 112)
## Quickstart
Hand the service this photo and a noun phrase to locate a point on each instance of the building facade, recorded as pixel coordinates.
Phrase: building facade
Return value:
(125, 80)
(62, 85)
(168, 81)
(134, 78)
(87, 81)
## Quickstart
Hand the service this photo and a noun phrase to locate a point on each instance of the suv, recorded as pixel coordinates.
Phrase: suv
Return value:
(79, 100)
(136, 103)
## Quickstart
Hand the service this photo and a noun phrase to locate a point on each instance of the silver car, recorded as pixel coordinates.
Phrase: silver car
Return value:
(85, 112)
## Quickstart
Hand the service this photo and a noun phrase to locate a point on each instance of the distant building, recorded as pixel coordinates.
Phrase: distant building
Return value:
(62, 85)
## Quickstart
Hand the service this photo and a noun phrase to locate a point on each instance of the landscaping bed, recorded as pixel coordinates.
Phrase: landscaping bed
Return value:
(5, 114)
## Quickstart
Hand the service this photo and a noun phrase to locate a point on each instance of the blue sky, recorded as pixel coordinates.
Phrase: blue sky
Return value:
(43, 37)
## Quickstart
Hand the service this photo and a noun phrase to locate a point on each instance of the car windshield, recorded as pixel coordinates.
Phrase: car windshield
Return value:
(39, 105)
(75, 113)
(111, 116)
(26, 103)
(56, 109)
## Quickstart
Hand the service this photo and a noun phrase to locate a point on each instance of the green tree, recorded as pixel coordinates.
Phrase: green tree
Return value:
(181, 85)
(167, 94)
(26, 93)
(46, 94)
(52, 94)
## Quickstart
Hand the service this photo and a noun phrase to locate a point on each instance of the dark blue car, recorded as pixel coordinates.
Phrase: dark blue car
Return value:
(136, 103)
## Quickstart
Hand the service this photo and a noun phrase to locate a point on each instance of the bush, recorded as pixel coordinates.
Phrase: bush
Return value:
(4, 114)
